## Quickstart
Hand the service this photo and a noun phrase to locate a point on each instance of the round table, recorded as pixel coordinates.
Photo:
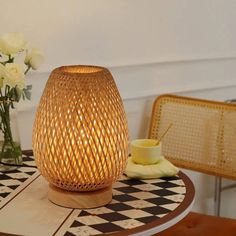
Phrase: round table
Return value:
(138, 207)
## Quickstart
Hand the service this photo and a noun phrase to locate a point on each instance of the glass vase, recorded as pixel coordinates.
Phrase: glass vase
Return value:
(10, 149)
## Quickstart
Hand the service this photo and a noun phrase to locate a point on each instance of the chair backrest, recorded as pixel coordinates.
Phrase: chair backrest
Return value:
(203, 134)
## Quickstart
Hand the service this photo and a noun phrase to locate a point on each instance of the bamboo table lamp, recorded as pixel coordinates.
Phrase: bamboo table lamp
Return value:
(80, 136)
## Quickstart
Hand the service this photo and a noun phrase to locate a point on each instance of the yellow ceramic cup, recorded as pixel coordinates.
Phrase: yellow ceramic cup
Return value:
(145, 151)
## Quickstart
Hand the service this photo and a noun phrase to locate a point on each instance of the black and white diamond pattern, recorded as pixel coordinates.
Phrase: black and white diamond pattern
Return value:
(11, 180)
(135, 203)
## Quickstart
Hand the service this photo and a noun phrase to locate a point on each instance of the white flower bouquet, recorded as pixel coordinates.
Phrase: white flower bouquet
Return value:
(13, 87)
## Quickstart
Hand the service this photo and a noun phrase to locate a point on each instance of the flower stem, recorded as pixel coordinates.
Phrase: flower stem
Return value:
(28, 68)
(10, 149)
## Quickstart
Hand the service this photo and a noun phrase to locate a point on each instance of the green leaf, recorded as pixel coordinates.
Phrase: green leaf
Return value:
(27, 93)
(15, 94)
(10, 94)
(29, 87)
(18, 93)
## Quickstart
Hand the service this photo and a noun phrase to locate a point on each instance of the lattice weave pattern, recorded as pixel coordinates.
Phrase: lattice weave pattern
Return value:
(80, 136)
(203, 134)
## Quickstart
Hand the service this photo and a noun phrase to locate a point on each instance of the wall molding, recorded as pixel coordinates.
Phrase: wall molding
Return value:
(161, 60)
(177, 60)
(154, 78)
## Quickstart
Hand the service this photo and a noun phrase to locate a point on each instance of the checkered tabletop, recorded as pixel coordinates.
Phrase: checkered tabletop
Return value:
(135, 203)
(11, 180)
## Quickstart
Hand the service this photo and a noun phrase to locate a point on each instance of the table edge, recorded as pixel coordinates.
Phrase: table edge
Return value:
(171, 218)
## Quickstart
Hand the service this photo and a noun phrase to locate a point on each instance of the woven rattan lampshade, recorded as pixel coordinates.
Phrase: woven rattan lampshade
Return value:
(80, 135)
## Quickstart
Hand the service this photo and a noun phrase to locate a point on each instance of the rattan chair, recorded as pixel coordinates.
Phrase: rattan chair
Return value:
(218, 181)
(202, 137)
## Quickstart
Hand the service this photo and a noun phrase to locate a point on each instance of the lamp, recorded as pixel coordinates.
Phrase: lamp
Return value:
(80, 136)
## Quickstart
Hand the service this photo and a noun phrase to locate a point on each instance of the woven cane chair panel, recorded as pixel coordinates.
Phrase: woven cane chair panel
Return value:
(203, 134)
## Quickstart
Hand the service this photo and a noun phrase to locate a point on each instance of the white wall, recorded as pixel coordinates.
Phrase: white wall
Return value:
(151, 47)
(124, 32)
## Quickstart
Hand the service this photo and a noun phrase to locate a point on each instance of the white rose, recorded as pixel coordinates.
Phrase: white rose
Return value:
(14, 75)
(34, 58)
(2, 69)
(12, 43)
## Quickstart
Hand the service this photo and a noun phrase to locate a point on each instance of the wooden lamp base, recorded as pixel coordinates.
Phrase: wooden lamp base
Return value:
(81, 200)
